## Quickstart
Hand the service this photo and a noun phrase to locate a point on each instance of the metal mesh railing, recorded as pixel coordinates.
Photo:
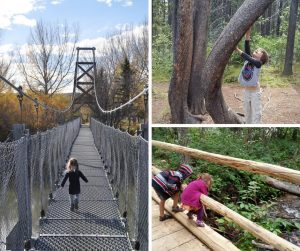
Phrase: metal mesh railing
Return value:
(126, 160)
(29, 169)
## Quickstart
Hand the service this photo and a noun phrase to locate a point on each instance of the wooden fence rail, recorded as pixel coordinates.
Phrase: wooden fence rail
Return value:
(276, 171)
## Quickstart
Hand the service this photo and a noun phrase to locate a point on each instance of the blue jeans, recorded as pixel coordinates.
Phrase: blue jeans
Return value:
(74, 199)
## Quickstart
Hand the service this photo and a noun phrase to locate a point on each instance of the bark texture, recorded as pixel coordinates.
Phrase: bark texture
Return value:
(182, 62)
(196, 78)
(196, 95)
(289, 54)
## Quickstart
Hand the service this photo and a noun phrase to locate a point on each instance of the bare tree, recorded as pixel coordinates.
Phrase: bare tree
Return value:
(48, 60)
(129, 47)
(5, 67)
(5, 70)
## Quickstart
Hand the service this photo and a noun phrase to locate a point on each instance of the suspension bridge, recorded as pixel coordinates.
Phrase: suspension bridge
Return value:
(190, 237)
(113, 208)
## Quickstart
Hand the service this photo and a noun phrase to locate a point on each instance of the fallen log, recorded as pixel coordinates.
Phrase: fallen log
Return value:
(282, 185)
(276, 171)
(251, 227)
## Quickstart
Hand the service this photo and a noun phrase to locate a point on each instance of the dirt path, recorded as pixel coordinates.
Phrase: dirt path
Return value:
(280, 105)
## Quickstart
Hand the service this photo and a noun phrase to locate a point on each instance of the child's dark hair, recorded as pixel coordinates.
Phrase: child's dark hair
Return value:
(265, 57)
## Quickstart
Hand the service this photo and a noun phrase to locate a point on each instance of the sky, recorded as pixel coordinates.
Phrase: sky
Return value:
(95, 18)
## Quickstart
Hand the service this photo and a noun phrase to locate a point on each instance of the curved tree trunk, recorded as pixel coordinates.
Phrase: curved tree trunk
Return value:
(190, 73)
(215, 65)
(196, 95)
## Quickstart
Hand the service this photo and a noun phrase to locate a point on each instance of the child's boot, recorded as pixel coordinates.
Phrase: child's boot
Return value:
(72, 207)
(76, 205)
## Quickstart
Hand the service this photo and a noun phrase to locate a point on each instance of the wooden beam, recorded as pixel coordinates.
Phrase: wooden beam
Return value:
(251, 227)
(279, 172)
(207, 235)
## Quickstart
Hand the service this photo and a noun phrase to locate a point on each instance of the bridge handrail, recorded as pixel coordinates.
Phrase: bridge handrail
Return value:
(276, 171)
(258, 231)
(33, 161)
(126, 160)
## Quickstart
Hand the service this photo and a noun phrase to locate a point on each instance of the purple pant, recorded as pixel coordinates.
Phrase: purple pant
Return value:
(198, 212)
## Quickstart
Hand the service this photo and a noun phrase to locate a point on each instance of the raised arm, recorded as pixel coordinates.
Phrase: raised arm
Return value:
(250, 59)
(247, 42)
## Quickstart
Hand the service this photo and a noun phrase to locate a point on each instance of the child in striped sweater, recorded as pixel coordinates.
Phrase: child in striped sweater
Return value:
(168, 184)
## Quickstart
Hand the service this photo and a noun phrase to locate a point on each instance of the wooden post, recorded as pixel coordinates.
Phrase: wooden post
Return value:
(280, 172)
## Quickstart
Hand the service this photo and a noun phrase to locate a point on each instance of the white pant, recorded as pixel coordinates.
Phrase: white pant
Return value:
(252, 107)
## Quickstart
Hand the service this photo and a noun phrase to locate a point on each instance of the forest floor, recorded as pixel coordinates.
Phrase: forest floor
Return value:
(281, 105)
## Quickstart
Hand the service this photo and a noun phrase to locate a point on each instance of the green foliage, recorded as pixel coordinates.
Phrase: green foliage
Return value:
(275, 46)
(162, 56)
(245, 193)
(161, 42)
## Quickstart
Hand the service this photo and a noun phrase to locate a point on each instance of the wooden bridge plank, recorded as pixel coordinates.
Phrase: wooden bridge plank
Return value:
(171, 235)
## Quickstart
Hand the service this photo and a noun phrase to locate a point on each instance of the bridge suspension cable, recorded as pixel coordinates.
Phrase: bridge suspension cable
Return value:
(145, 91)
(35, 100)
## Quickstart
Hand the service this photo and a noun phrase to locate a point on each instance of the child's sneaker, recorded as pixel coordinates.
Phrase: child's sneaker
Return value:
(200, 223)
(177, 209)
(190, 215)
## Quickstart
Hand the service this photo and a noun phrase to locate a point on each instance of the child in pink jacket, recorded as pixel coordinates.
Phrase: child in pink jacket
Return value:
(190, 197)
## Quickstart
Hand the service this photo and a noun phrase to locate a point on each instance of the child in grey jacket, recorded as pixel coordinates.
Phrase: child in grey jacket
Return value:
(249, 78)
